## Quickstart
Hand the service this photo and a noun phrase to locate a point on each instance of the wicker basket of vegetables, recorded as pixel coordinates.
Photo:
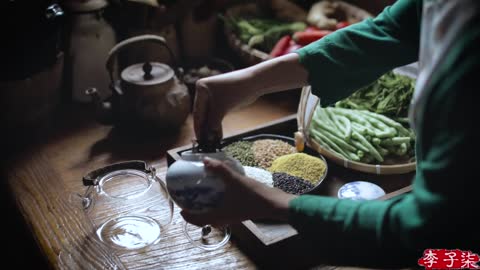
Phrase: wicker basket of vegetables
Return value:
(257, 33)
(367, 131)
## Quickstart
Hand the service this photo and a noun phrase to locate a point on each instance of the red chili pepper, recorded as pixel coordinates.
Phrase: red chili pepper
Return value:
(280, 47)
(342, 24)
(304, 38)
(311, 28)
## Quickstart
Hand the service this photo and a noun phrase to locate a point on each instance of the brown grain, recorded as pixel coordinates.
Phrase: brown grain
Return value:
(267, 150)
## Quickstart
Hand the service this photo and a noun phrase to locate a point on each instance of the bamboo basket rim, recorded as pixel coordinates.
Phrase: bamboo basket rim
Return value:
(380, 169)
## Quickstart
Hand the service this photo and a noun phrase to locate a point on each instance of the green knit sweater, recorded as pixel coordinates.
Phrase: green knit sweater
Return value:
(439, 212)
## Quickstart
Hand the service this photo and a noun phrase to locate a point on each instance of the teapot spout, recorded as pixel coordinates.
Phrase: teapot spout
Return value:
(103, 109)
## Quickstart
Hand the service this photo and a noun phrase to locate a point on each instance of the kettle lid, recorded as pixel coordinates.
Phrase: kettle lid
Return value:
(147, 73)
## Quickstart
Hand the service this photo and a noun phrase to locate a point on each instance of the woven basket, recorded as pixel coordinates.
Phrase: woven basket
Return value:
(307, 105)
(252, 56)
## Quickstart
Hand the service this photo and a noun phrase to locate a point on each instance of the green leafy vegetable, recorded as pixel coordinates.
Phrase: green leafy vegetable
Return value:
(389, 95)
(262, 33)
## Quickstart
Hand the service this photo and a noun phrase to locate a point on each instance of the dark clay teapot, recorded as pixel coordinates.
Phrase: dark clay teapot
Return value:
(150, 94)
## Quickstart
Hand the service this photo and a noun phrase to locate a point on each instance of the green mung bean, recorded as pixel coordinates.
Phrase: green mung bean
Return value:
(242, 151)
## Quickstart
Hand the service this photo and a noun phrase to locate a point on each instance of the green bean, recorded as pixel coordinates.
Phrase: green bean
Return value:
(335, 147)
(339, 142)
(331, 128)
(384, 152)
(354, 157)
(384, 131)
(402, 120)
(339, 128)
(376, 141)
(367, 158)
(396, 141)
(402, 150)
(401, 129)
(365, 142)
(358, 128)
(343, 124)
(320, 141)
(324, 116)
(359, 134)
(384, 119)
(360, 146)
(351, 115)
(348, 126)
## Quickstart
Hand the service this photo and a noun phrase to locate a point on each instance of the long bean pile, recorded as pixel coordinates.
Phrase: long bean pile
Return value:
(360, 135)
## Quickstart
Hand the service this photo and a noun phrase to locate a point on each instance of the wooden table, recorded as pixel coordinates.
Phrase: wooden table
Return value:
(43, 177)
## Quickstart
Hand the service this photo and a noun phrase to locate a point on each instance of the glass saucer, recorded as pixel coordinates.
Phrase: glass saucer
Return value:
(130, 232)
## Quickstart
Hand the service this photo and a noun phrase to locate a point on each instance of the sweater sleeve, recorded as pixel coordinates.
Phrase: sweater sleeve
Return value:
(437, 213)
(355, 56)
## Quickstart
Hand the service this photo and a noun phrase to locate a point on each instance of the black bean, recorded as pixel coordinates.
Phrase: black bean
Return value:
(291, 184)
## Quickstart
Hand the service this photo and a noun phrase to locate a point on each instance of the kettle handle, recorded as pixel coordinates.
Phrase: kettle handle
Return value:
(142, 38)
(91, 179)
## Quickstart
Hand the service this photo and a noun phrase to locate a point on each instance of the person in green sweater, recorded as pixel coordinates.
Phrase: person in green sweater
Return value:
(444, 37)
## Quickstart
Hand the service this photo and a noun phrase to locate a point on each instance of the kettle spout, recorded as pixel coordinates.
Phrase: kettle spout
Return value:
(103, 109)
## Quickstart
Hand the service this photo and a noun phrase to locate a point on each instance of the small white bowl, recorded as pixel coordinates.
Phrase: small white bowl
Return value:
(360, 190)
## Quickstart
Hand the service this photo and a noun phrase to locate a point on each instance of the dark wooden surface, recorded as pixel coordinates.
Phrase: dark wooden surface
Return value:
(41, 176)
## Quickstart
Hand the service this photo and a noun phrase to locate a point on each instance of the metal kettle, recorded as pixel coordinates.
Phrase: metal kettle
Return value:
(149, 94)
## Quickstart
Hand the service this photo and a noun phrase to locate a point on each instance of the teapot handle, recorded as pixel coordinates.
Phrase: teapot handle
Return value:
(91, 179)
(142, 38)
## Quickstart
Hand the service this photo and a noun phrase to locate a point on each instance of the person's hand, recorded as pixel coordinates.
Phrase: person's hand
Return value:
(244, 199)
(214, 97)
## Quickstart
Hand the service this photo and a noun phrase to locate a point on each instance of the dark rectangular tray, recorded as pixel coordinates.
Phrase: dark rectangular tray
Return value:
(272, 233)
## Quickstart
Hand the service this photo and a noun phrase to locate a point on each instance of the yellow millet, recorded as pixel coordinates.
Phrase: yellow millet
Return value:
(300, 165)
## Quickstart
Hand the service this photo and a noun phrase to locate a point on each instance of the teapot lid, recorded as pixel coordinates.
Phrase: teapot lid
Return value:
(147, 73)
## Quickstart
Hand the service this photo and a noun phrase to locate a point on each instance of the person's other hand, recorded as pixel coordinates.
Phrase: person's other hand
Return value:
(244, 199)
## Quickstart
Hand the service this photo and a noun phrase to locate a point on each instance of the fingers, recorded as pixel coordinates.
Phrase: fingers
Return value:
(218, 168)
(207, 119)
(200, 105)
